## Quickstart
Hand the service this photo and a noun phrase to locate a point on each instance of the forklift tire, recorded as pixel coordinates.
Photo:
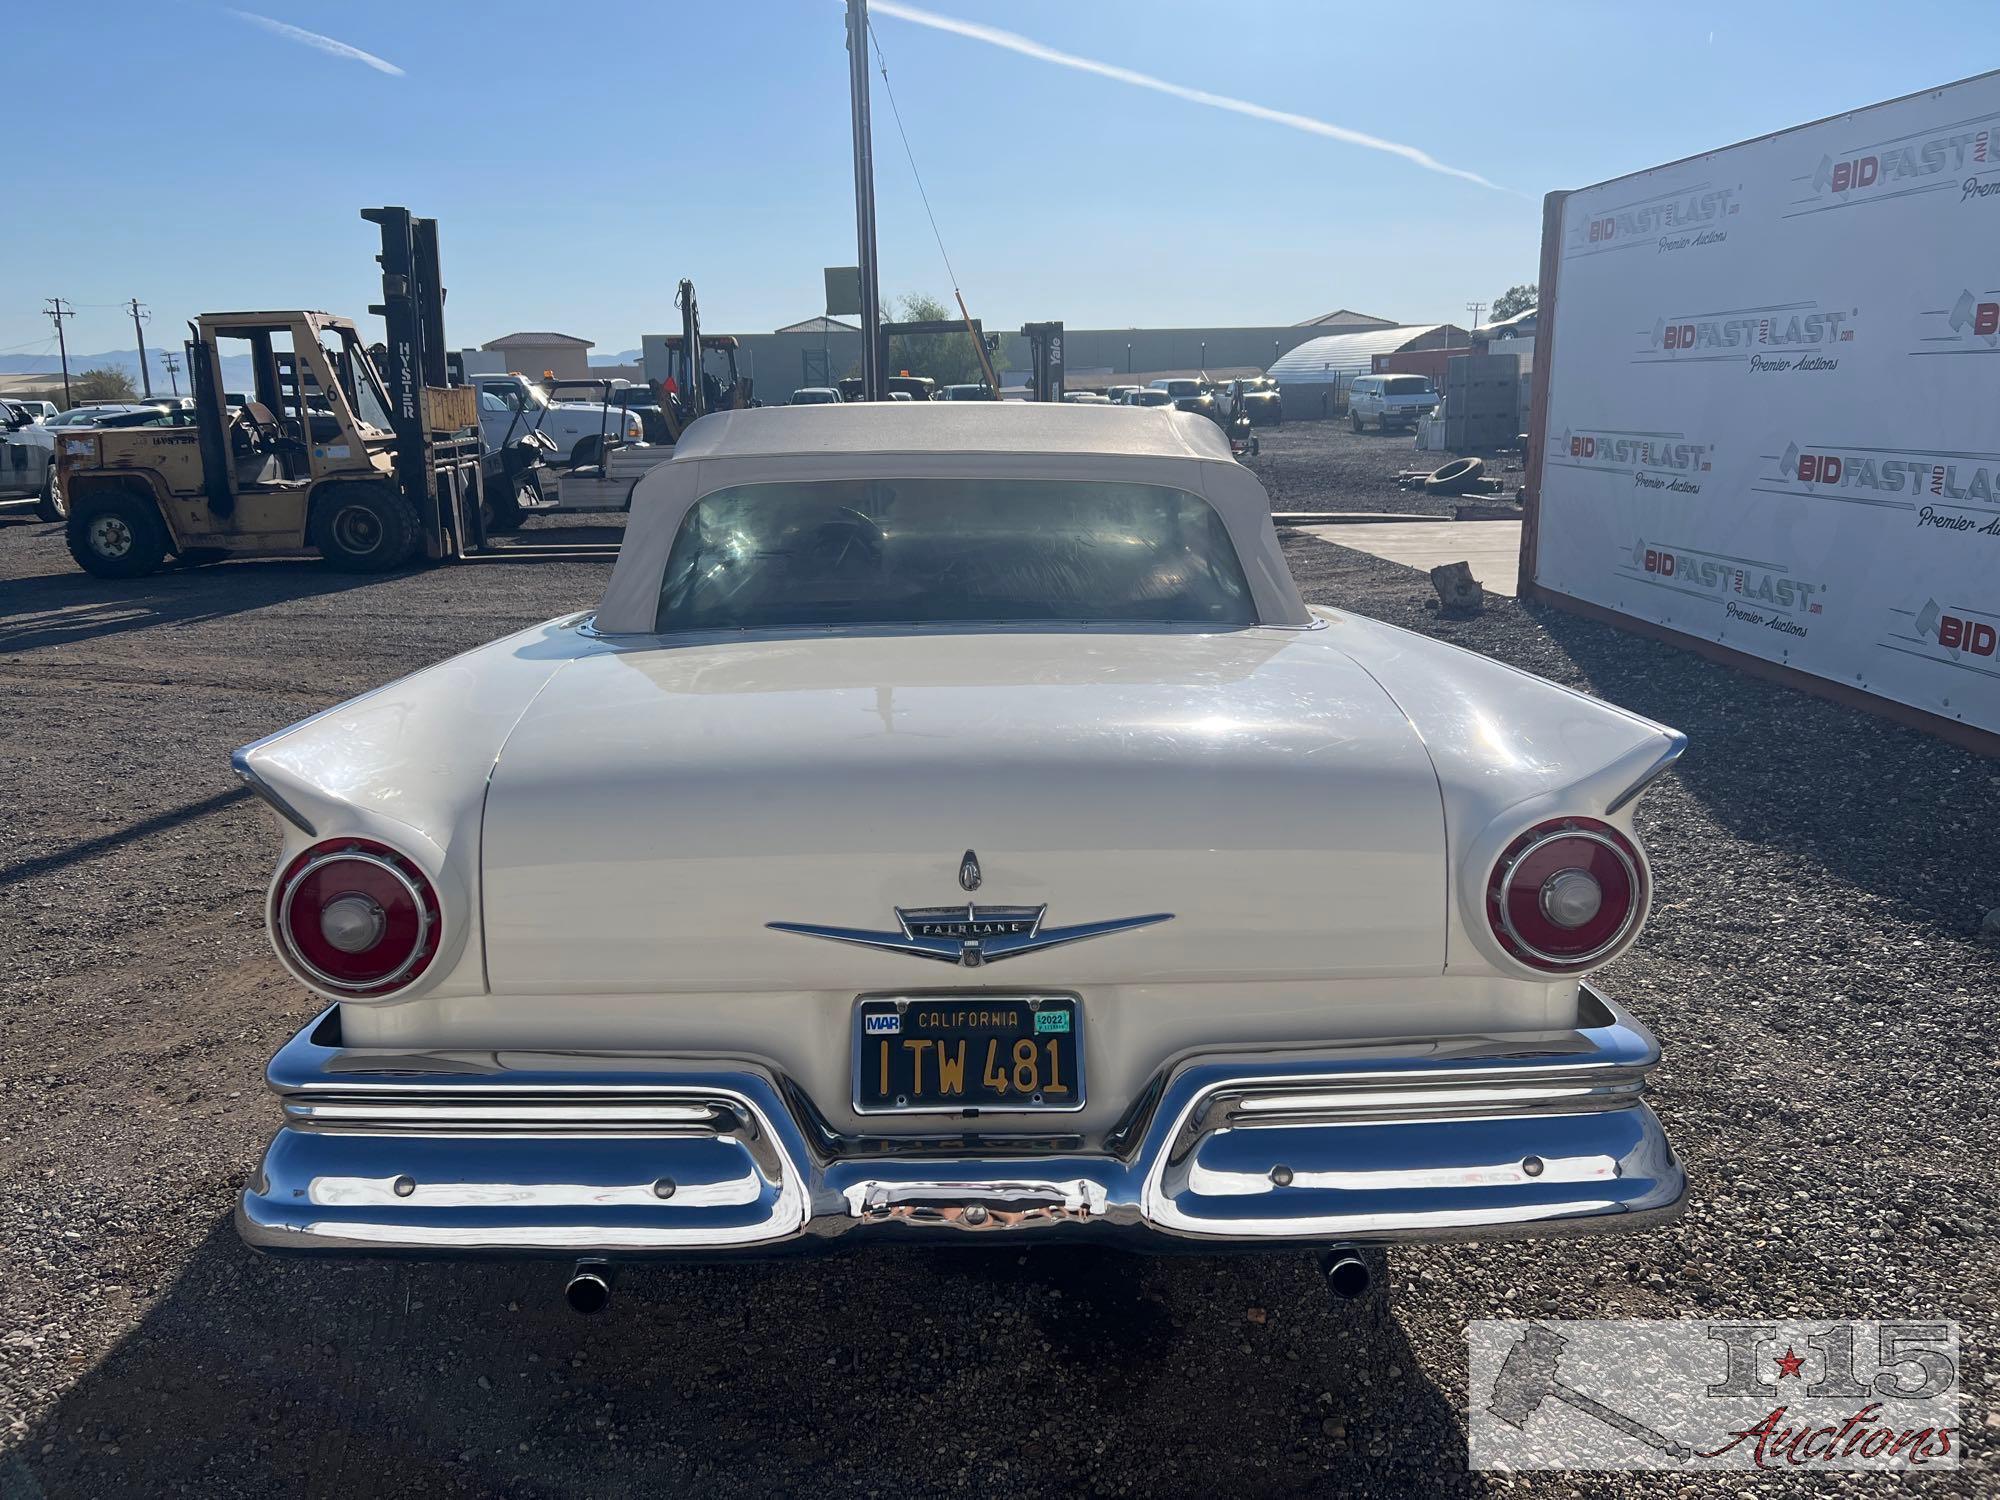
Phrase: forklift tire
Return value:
(52, 506)
(365, 528)
(119, 535)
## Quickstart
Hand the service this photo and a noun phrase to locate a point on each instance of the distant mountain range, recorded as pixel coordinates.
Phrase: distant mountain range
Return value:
(623, 357)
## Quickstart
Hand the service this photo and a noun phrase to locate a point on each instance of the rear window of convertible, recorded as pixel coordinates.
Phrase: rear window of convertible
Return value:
(951, 551)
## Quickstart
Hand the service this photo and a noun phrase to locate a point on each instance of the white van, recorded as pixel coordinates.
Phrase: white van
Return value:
(1389, 401)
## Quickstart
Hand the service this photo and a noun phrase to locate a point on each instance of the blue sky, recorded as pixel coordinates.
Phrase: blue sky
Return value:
(581, 159)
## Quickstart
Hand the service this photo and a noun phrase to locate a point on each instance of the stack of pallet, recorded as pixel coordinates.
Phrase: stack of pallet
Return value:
(1482, 402)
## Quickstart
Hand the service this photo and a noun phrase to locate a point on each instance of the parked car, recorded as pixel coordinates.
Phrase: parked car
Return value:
(27, 473)
(1179, 389)
(1261, 400)
(815, 395)
(28, 470)
(1086, 398)
(975, 392)
(1149, 397)
(1389, 401)
(578, 428)
(1040, 864)
(916, 387)
(36, 411)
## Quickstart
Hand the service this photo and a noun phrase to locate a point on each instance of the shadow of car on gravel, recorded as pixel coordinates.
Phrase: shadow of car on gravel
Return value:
(1047, 1371)
(56, 609)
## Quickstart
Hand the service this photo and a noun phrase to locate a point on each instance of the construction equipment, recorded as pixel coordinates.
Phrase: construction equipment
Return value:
(1045, 360)
(372, 465)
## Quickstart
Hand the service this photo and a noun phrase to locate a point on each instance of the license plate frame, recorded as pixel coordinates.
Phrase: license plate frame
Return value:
(1061, 1041)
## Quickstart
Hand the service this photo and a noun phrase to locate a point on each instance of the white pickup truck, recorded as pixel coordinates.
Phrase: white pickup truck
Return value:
(511, 405)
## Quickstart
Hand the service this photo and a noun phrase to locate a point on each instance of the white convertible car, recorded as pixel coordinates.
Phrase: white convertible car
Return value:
(952, 821)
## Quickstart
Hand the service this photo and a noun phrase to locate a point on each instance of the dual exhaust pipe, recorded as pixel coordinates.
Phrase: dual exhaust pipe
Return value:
(1346, 1276)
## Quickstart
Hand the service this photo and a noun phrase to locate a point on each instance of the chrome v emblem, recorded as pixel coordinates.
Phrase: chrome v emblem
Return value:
(970, 935)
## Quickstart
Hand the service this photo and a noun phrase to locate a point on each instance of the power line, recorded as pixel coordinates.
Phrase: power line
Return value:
(883, 64)
(173, 363)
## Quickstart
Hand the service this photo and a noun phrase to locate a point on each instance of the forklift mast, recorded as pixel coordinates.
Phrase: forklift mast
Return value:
(1045, 360)
(408, 319)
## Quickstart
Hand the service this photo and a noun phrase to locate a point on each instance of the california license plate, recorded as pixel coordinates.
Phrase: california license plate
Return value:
(942, 1055)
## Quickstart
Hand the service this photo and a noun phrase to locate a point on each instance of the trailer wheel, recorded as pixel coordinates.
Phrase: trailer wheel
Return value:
(1455, 478)
(365, 528)
(52, 506)
(117, 535)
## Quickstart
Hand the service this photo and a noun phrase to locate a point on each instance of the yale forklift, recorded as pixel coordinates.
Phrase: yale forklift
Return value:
(372, 467)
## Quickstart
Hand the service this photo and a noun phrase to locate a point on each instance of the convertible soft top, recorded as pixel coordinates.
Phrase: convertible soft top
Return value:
(998, 439)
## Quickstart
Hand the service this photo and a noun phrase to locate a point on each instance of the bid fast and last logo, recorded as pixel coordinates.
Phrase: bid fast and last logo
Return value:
(1680, 219)
(1666, 462)
(1762, 595)
(1968, 324)
(1960, 158)
(1951, 493)
(1775, 338)
(1956, 633)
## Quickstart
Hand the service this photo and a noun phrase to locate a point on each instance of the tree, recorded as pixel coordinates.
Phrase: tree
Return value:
(1516, 299)
(948, 358)
(104, 385)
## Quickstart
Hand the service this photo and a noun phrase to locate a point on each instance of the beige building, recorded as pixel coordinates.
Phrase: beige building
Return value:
(559, 355)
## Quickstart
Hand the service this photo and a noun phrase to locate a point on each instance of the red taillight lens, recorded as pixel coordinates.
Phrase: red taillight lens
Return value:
(356, 916)
(1566, 893)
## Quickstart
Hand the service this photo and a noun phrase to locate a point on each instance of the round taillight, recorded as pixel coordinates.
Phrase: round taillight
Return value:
(356, 917)
(1566, 894)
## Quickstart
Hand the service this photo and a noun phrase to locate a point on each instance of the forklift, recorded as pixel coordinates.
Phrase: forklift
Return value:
(370, 466)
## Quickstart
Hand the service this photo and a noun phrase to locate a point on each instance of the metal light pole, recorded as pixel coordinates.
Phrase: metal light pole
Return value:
(139, 313)
(873, 386)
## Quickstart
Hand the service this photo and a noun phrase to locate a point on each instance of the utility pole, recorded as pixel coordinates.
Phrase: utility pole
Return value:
(138, 315)
(173, 363)
(874, 387)
(1475, 308)
(57, 312)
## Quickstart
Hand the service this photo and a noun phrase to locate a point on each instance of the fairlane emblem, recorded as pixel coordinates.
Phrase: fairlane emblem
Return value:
(970, 935)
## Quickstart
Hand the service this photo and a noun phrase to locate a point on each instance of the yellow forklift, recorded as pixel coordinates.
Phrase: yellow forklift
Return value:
(371, 467)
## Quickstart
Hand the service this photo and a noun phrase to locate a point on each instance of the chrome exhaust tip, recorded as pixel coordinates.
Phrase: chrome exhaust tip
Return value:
(1345, 1273)
(589, 1288)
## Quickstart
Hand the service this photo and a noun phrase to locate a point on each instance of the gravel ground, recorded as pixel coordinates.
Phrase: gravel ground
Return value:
(1323, 466)
(1813, 970)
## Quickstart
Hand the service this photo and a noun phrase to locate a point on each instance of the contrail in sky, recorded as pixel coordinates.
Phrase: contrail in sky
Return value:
(1027, 47)
(319, 43)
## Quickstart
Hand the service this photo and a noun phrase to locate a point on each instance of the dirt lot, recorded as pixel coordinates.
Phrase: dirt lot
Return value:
(1813, 969)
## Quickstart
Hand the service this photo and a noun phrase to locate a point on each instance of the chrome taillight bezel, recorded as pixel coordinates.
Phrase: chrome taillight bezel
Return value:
(1500, 887)
(400, 869)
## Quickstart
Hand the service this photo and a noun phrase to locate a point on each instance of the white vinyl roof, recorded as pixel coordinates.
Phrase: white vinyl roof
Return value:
(945, 440)
(1341, 356)
(905, 427)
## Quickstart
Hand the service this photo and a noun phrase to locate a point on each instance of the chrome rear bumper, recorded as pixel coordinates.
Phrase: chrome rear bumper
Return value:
(561, 1153)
